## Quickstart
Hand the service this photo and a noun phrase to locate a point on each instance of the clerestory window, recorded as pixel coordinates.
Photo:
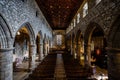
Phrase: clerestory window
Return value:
(78, 17)
(85, 9)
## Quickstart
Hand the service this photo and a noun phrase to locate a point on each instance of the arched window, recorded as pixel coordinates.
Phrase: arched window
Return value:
(85, 9)
(59, 39)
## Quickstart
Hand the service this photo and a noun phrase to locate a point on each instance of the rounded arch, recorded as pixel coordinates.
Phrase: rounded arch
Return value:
(24, 43)
(5, 34)
(94, 45)
(30, 31)
(90, 28)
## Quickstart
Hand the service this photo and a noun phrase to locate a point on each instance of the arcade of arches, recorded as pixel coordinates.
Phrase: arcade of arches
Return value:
(86, 49)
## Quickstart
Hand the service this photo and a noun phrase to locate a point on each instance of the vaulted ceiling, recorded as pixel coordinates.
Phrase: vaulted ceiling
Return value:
(59, 13)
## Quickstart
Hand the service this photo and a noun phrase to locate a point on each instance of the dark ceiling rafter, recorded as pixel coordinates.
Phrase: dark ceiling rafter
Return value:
(59, 13)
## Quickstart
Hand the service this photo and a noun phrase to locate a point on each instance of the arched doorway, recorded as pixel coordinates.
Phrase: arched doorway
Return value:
(24, 52)
(21, 51)
(95, 44)
(98, 45)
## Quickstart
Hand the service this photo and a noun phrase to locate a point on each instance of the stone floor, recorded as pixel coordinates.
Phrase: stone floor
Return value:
(21, 72)
(100, 73)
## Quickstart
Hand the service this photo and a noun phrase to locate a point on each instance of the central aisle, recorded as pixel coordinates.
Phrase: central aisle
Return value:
(59, 69)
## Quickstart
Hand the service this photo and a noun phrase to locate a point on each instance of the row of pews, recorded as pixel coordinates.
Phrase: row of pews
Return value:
(45, 70)
(73, 70)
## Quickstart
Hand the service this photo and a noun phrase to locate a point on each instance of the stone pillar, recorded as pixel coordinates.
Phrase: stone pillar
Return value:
(74, 50)
(48, 48)
(71, 48)
(44, 49)
(40, 52)
(6, 64)
(78, 51)
(32, 53)
(87, 55)
(113, 63)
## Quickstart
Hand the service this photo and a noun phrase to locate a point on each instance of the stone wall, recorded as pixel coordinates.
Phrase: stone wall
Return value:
(18, 12)
(104, 14)
(15, 14)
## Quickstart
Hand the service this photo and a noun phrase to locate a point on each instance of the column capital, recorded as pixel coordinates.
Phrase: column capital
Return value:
(6, 49)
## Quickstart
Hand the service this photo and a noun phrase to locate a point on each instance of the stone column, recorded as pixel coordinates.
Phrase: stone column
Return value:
(74, 50)
(40, 52)
(71, 46)
(6, 64)
(32, 53)
(113, 63)
(45, 48)
(87, 55)
(48, 48)
(78, 51)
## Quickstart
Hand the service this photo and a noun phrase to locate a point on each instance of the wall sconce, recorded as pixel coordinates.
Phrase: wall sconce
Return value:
(18, 33)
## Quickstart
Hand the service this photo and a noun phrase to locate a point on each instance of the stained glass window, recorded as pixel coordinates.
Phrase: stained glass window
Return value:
(59, 39)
